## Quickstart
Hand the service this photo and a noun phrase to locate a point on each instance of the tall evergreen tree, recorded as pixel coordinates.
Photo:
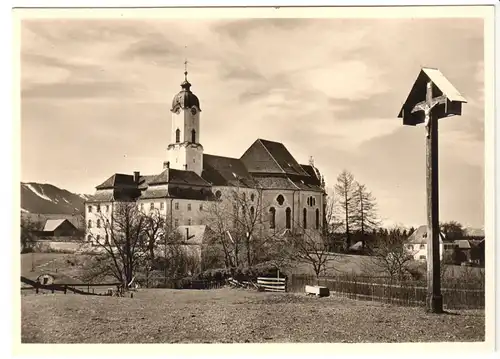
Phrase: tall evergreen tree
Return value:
(344, 188)
(364, 217)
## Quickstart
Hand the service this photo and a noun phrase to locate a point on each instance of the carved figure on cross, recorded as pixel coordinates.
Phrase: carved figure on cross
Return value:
(428, 105)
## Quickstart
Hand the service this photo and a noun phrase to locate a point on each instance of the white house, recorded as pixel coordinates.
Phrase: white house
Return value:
(418, 241)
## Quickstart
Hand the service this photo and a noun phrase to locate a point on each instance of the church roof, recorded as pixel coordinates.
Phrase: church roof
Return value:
(313, 173)
(226, 171)
(118, 180)
(174, 176)
(265, 156)
(185, 98)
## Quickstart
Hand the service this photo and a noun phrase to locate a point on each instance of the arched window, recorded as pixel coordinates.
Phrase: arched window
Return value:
(308, 201)
(317, 218)
(193, 136)
(89, 238)
(272, 217)
(280, 199)
(252, 212)
(89, 224)
(106, 238)
(304, 219)
(252, 197)
(177, 136)
(218, 194)
(288, 221)
(98, 224)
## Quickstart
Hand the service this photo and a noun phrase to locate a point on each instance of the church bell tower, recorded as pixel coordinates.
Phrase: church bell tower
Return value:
(185, 151)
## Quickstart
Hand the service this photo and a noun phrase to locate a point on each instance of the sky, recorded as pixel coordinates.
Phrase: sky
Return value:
(96, 95)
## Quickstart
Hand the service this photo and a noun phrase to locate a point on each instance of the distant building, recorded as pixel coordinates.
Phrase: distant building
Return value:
(417, 244)
(288, 195)
(58, 228)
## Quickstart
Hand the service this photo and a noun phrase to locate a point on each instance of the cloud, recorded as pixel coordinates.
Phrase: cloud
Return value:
(327, 88)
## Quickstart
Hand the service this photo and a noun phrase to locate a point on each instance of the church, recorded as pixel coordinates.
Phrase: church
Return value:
(291, 195)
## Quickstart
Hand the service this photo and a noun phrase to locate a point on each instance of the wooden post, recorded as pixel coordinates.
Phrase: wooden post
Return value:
(434, 298)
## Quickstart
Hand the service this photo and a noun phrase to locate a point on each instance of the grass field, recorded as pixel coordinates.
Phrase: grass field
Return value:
(234, 315)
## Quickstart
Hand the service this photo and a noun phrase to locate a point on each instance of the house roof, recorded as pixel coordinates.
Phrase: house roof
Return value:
(265, 156)
(420, 236)
(226, 171)
(313, 173)
(463, 244)
(53, 224)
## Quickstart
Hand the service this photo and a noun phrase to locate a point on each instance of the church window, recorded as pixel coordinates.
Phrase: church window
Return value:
(272, 217)
(252, 197)
(176, 205)
(90, 209)
(177, 136)
(218, 194)
(280, 199)
(90, 223)
(308, 201)
(317, 218)
(189, 206)
(106, 239)
(193, 136)
(288, 221)
(252, 212)
(304, 219)
(89, 238)
(98, 223)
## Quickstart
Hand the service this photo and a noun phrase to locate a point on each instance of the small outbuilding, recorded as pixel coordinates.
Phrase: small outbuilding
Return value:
(58, 228)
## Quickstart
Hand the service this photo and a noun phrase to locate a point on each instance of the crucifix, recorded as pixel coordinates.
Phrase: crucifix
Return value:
(447, 103)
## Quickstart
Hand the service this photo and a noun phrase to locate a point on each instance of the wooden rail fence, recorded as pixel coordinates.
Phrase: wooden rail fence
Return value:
(272, 284)
(61, 287)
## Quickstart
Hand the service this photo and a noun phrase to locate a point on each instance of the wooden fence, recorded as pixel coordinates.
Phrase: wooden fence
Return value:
(407, 293)
(65, 288)
(272, 284)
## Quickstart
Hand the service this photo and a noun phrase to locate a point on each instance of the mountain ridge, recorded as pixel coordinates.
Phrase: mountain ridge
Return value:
(45, 198)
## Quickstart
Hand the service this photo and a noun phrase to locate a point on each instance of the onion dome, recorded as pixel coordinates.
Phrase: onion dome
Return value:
(185, 98)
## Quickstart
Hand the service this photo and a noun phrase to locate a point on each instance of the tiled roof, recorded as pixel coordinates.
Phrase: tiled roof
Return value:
(173, 176)
(226, 171)
(53, 224)
(118, 180)
(257, 159)
(203, 194)
(306, 185)
(155, 192)
(313, 174)
(101, 196)
(275, 182)
(284, 158)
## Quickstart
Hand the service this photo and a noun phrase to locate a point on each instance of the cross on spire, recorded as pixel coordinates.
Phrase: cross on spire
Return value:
(185, 63)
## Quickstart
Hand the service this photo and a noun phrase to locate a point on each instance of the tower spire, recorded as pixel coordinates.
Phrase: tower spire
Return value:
(185, 63)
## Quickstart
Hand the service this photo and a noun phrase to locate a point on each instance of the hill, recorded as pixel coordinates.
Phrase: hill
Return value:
(48, 199)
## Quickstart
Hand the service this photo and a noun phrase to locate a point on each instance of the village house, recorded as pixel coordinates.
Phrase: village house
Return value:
(288, 195)
(418, 241)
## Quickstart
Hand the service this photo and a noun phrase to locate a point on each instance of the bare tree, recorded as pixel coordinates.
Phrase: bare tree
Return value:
(345, 187)
(238, 224)
(124, 247)
(364, 217)
(391, 255)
